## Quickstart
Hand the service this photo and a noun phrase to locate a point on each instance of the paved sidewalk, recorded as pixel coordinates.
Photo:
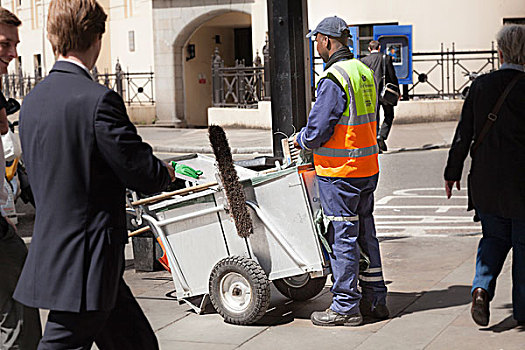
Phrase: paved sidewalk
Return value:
(428, 280)
(258, 141)
(429, 299)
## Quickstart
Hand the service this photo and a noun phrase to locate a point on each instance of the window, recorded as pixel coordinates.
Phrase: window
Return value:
(37, 63)
(514, 20)
(37, 13)
(131, 40)
(128, 8)
(18, 65)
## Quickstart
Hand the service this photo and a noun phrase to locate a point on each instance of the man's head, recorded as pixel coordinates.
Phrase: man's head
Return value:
(374, 46)
(330, 34)
(9, 24)
(511, 43)
(76, 26)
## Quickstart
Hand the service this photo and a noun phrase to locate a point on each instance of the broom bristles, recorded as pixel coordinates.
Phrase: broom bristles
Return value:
(230, 181)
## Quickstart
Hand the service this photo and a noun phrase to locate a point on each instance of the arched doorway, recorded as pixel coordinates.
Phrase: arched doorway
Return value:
(229, 32)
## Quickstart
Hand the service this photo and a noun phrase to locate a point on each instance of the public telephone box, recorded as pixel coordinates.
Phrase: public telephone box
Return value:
(396, 41)
(353, 42)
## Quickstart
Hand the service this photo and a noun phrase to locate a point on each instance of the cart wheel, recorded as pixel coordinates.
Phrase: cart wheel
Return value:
(300, 287)
(239, 290)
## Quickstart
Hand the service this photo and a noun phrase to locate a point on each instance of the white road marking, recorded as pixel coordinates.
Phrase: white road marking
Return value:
(410, 191)
(387, 199)
(410, 222)
(444, 228)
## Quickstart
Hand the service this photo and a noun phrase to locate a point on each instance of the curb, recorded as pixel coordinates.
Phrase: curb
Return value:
(268, 150)
(426, 147)
(208, 150)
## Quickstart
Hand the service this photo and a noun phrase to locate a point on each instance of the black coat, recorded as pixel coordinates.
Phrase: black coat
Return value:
(374, 61)
(497, 181)
(81, 152)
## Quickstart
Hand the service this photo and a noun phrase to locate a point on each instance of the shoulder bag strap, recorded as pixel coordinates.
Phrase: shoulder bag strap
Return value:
(384, 68)
(492, 116)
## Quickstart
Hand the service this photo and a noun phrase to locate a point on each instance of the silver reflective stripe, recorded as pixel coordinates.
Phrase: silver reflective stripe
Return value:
(371, 279)
(344, 74)
(359, 120)
(347, 153)
(352, 119)
(373, 270)
(342, 218)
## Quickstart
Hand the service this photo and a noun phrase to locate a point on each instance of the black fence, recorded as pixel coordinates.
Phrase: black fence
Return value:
(447, 74)
(443, 74)
(135, 88)
(240, 86)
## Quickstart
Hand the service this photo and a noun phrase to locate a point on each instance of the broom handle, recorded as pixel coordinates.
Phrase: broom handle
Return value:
(174, 193)
(139, 231)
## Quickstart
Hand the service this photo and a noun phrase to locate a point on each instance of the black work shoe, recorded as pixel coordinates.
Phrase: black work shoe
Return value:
(382, 145)
(378, 312)
(332, 318)
(480, 307)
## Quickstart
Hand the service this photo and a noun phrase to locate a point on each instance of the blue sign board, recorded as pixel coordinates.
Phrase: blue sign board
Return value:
(396, 41)
(353, 42)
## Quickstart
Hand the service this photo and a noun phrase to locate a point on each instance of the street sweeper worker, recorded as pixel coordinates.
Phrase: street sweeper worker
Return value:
(341, 132)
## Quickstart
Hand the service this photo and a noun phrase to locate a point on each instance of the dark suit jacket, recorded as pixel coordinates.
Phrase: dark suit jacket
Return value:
(374, 61)
(498, 166)
(81, 152)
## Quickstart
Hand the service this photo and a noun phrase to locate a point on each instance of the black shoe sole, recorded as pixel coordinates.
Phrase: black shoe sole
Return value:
(479, 315)
(345, 324)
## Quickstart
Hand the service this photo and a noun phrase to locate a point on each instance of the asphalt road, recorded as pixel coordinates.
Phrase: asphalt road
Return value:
(410, 199)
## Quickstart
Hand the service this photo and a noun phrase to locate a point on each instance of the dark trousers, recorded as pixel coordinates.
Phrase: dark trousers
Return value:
(345, 199)
(19, 324)
(384, 130)
(124, 327)
(499, 235)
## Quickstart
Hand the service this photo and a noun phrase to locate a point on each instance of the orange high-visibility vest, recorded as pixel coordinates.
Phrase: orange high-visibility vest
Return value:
(352, 150)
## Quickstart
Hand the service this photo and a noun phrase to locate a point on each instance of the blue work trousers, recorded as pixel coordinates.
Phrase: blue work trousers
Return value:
(499, 235)
(345, 199)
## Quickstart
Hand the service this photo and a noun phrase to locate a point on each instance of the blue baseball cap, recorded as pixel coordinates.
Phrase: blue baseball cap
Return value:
(331, 26)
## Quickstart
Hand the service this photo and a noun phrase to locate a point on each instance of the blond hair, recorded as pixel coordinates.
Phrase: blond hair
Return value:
(74, 25)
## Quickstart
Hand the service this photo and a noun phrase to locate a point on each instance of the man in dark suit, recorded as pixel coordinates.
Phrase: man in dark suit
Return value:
(497, 172)
(375, 62)
(81, 152)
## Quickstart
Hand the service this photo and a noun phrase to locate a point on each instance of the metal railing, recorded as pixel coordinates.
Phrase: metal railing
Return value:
(238, 86)
(134, 88)
(18, 85)
(447, 74)
(444, 74)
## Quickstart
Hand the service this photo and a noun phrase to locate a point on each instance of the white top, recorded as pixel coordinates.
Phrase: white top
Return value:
(3, 192)
(77, 63)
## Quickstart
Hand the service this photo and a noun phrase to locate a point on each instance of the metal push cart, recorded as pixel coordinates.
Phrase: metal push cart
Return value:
(210, 261)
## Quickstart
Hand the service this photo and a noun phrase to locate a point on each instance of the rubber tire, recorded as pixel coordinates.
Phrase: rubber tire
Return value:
(259, 285)
(313, 287)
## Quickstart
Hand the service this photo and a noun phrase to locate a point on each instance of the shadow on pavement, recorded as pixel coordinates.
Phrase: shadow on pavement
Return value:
(455, 295)
(506, 324)
(399, 303)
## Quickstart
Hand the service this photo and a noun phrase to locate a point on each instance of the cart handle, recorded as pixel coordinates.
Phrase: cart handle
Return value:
(174, 193)
(292, 253)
